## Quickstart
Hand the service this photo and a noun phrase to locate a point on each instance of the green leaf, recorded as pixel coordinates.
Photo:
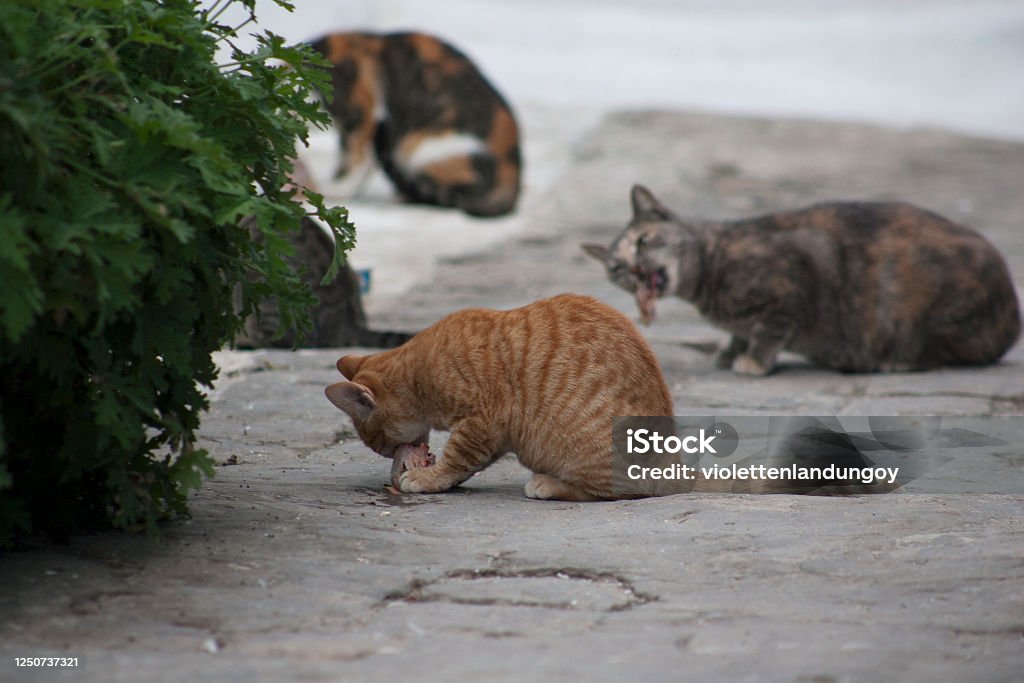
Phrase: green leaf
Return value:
(22, 299)
(343, 230)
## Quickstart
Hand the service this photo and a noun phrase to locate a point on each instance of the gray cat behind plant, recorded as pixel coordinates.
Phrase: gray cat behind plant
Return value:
(338, 317)
(855, 286)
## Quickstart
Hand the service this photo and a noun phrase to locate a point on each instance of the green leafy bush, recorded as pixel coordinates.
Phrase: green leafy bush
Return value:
(127, 158)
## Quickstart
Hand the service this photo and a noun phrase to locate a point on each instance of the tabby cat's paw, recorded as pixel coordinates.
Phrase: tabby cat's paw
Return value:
(724, 359)
(748, 365)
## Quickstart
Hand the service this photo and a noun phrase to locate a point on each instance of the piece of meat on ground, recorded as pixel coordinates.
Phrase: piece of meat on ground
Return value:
(407, 457)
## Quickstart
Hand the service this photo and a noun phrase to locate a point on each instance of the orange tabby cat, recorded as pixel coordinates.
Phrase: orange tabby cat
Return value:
(543, 381)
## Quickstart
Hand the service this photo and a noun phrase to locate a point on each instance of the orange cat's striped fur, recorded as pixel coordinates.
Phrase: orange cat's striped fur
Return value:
(543, 381)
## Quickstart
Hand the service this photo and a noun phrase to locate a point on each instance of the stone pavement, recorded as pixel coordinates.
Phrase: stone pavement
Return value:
(298, 565)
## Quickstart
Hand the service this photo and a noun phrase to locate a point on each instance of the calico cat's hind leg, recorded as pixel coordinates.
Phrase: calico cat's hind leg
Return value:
(494, 190)
(544, 487)
(977, 332)
(463, 178)
(450, 181)
(467, 183)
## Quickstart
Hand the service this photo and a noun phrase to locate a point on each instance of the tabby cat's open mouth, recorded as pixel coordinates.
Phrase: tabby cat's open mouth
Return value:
(652, 285)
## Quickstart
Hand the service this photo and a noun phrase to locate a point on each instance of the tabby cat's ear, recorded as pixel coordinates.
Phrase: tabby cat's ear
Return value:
(349, 365)
(598, 251)
(355, 399)
(646, 205)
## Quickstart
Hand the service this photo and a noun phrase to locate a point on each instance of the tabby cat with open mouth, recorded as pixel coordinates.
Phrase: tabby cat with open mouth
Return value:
(855, 286)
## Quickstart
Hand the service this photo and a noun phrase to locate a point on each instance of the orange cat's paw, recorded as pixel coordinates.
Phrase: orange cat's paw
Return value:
(422, 480)
(409, 457)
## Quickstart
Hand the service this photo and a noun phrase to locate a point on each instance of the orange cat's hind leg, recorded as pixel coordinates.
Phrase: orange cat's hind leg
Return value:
(543, 487)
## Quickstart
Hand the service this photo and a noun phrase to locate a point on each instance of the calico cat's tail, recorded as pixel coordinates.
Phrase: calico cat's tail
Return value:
(498, 202)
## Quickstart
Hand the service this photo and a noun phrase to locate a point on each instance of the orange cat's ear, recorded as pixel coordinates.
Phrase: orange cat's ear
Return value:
(646, 205)
(349, 365)
(598, 251)
(355, 399)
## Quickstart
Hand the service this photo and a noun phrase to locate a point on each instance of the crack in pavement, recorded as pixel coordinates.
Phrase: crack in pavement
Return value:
(418, 590)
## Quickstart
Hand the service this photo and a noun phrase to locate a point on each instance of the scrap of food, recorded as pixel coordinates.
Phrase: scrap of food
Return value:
(407, 457)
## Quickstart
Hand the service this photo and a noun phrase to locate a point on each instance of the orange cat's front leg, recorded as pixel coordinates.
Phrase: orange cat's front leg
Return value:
(471, 448)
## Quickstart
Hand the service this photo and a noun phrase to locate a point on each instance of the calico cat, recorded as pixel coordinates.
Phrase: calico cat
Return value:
(440, 130)
(543, 381)
(855, 286)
